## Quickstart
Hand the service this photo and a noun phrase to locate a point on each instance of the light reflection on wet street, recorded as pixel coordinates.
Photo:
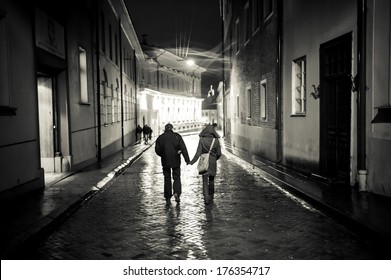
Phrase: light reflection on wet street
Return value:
(250, 218)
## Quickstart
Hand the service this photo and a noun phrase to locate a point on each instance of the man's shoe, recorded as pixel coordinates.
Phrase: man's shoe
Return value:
(168, 201)
(177, 197)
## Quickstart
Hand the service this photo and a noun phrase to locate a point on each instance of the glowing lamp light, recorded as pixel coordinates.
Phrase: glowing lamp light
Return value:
(190, 62)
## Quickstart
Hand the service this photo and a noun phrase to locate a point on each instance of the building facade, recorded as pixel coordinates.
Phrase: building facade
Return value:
(336, 74)
(68, 87)
(170, 91)
(327, 109)
(251, 76)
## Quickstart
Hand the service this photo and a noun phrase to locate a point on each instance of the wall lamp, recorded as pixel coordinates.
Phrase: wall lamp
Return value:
(316, 93)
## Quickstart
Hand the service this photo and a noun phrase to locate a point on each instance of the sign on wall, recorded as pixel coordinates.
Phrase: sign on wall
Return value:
(49, 34)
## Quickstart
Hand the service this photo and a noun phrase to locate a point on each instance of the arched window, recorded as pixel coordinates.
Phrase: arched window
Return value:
(131, 104)
(116, 102)
(105, 98)
(125, 103)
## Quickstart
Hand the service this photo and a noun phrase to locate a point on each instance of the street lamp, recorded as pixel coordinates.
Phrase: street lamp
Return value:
(190, 62)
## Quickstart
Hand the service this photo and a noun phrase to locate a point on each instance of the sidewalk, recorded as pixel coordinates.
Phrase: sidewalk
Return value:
(32, 216)
(366, 214)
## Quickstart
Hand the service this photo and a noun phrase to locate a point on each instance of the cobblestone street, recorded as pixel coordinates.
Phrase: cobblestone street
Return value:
(250, 218)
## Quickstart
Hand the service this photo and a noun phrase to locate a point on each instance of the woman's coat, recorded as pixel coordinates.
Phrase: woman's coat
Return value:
(206, 137)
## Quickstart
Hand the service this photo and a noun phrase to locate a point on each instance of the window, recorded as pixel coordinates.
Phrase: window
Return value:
(83, 75)
(115, 103)
(237, 34)
(248, 102)
(116, 48)
(119, 106)
(247, 22)
(103, 31)
(298, 86)
(267, 9)
(132, 104)
(256, 15)
(110, 42)
(105, 99)
(262, 100)
(109, 104)
(126, 107)
(4, 71)
(237, 106)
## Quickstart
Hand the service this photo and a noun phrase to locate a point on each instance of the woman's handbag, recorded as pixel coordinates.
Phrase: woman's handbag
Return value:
(203, 163)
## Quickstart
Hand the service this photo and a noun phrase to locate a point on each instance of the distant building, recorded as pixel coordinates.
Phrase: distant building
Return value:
(170, 91)
(209, 107)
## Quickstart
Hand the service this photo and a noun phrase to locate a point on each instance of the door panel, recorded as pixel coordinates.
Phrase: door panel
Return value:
(335, 108)
(45, 111)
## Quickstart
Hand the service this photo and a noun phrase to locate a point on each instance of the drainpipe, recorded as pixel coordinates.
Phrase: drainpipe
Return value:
(97, 48)
(223, 65)
(279, 82)
(121, 84)
(361, 98)
(135, 85)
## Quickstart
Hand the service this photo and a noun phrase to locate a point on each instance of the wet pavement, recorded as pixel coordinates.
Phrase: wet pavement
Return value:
(252, 217)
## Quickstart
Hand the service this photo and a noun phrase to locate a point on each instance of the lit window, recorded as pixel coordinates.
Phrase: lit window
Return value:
(115, 113)
(237, 106)
(125, 103)
(131, 104)
(262, 99)
(105, 97)
(298, 86)
(83, 75)
(116, 48)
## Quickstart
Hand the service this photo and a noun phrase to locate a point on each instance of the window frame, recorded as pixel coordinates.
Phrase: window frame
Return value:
(249, 107)
(263, 89)
(83, 76)
(5, 82)
(103, 32)
(237, 36)
(237, 106)
(256, 15)
(267, 14)
(247, 23)
(299, 97)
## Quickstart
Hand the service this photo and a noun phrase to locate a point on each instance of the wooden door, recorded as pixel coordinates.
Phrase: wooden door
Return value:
(335, 118)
